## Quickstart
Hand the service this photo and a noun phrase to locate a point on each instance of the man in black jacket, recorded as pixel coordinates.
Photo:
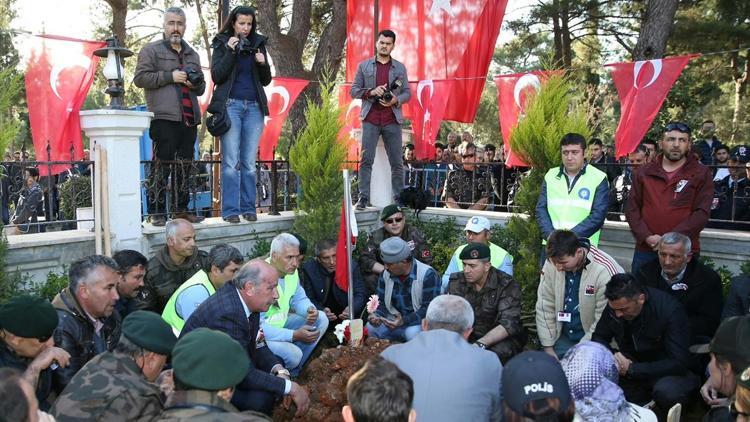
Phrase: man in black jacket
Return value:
(693, 284)
(738, 298)
(318, 277)
(652, 332)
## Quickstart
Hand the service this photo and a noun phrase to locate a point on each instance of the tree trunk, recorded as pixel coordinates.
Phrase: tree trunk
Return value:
(567, 53)
(557, 34)
(119, 16)
(740, 78)
(656, 27)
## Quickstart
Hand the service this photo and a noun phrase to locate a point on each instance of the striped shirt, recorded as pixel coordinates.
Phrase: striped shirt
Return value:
(401, 297)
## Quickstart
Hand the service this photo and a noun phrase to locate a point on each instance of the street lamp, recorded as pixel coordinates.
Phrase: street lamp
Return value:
(114, 70)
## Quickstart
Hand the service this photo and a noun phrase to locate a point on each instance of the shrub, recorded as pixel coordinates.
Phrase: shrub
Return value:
(74, 193)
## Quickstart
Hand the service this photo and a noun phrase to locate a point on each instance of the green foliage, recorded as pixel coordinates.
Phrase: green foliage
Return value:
(74, 193)
(53, 285)
(316, 158)
(11, 283)
(745, 268)
(261, 247)
(723, 271)
(443, 236)
(10, 126)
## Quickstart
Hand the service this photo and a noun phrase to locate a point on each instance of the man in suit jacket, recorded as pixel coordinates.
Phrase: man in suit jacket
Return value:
(235, 309)
(453, 380)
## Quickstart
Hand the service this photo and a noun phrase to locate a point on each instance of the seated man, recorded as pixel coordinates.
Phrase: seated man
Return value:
(652, 333)
(224, 261)
(292, 325)
(26, 343)
(570, 298)
(379, 391)
(89, 324)
(118, 385)
(495, 298)
(394, 225)
(318, 277)
(471, 186)
(235, 310)
(478, 230)
(132, 274)
(405, 290)
(693, 284)
(466, 389)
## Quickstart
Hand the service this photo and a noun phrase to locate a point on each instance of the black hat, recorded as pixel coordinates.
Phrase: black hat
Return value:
(740, 153)
(389, 210)
(302, 244)
(28, 317)
(209, 360)
(531, 376)
(732, 338)
(150, 331)
(475, 251)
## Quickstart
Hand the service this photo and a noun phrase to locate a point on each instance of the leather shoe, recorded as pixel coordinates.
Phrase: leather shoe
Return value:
(234, 219)
(157, 220)
(250, 217)
(361, 204)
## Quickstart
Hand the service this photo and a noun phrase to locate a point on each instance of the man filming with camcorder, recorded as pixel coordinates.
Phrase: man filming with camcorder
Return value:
(383, 86)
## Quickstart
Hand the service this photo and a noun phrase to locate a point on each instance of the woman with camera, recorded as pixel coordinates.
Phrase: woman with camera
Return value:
(240, 70)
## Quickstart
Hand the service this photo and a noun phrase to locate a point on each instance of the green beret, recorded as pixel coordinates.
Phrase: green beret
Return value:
(475, 251)
(209, 360)
(150, 331)
(28, 317)
(389, 211)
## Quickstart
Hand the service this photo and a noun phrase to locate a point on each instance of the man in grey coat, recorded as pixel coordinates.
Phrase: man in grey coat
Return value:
(383, 86)
(453, 380)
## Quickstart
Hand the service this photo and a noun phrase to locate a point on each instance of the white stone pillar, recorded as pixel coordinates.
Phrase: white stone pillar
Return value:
(381, 191)
(118, 132)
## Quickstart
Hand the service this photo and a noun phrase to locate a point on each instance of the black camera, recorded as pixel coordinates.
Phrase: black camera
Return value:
(195, 77)
(388, 94)
(245, 48)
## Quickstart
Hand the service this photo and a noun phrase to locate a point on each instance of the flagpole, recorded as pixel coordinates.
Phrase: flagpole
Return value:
(347, 214)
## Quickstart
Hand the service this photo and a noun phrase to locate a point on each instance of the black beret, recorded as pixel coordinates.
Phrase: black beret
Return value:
(150, 331)
(302, 244)
(475, 251)
(389, 210)
(28, 317)
(209, 360)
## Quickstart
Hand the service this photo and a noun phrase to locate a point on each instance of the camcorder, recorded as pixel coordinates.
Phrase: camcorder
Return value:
(388, 94)
(195, 77)
(245, 47)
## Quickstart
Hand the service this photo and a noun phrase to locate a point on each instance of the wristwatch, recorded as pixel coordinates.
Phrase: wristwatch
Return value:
(481, 345)
(283, 371)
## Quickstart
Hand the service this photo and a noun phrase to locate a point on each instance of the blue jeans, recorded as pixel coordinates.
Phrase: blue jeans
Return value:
(239, 147)
(401, 333)
(295, 354)
(392, 140)
(641, 258)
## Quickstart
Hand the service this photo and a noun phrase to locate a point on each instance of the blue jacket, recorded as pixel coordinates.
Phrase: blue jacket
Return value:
(316, 281)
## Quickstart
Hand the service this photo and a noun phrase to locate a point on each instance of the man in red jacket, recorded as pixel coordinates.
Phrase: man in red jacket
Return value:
(672, 193)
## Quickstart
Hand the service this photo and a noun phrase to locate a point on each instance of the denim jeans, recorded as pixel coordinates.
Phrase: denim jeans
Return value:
(295, 354)
(392, 140)
(239, 147)
(399, 334)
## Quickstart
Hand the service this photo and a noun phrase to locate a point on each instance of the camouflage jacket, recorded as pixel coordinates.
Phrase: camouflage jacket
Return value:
(498, 303)
(412, 235)
(163, 277)
(204, 406)
(110, 387)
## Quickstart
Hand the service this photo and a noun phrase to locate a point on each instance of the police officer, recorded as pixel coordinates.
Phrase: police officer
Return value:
(394, 224)
(204, 384)
(118, 385)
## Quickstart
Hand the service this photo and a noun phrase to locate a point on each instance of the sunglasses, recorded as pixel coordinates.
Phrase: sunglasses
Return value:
(468, 156)
(394, 220)
(678, 126)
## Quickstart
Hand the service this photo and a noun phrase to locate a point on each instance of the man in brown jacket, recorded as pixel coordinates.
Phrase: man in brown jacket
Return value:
(169, 71)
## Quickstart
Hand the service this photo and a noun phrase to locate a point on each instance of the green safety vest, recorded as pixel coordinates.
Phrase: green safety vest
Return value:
(277, 314)
(497, 256)
(170, 311)
(565, 209)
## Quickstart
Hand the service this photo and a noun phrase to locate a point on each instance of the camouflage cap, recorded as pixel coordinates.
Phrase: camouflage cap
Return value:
(28, 317)
(150, 331)
(209, 360)
(389, 210)
(475, 251)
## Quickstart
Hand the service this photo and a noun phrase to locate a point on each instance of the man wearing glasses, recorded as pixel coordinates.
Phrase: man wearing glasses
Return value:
(672, 193)
(470, 186)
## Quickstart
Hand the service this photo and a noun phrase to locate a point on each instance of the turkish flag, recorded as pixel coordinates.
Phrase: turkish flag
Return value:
(342, 251)
(59, 73)
(512, 94)
(426, 109)
(281, 94)
(349, 133)
(642, 87)
(205, 99)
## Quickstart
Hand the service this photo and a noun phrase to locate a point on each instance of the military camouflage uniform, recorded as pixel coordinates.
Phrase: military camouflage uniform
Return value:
(204, 406)
(163, 277)
(371, 253)
(110, 387)
(498, 303)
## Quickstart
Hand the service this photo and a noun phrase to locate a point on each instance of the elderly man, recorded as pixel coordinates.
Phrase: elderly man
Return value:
(478, 231)
(693, 284)
(166, 70)
(224, 261)
(89, 324)
(293, 326)
(26, 343)
(171, 266)
(570, 297)
(235, 310)
(118, 385)
(495, 298)
(132, 273)
(203, 384)
(394, 225)
(318, 277)
(405, 289)
(470, 186)
(467, 389)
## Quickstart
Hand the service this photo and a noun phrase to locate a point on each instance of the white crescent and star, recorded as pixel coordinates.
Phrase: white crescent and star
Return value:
(78, 60)
(525, 81)
(352, 105)
(656, 63)
(281, 91)
(421, 87)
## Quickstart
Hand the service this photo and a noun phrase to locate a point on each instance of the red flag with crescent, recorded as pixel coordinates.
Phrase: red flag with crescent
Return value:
(205, 99)
(59, 73)
(281, 94)
(426, 109)
(350, 132)
(642, 87)
(512, 93)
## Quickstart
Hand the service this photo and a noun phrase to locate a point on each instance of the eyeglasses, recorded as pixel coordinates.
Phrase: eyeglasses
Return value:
(678, 126)
(468, 156)
(394, 220)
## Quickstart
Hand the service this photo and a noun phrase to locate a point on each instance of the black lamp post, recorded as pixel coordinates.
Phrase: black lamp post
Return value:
(114, 71)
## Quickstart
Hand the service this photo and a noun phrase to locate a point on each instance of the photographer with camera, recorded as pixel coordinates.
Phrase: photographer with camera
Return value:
(240, 70)
(382, 84)
(169, 71)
